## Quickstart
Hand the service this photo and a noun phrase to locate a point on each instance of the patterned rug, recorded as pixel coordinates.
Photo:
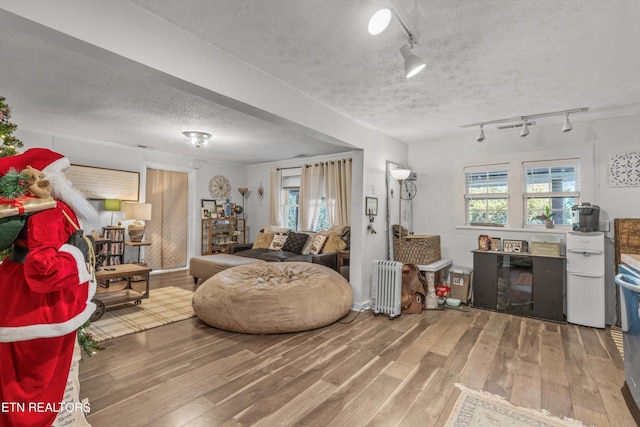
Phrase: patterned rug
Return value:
(164, 306)
(479, 408)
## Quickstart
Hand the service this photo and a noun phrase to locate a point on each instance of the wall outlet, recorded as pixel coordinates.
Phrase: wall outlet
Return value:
(603, 225)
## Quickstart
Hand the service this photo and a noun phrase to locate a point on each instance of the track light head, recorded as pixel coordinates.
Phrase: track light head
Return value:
(481, 135)
(566, 126)
(412, 64)
(525, 129)
(379, 21)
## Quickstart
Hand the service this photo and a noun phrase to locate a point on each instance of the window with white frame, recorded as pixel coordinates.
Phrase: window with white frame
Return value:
(552, 186)
(487, 194)
(291, 198)
(291, 203)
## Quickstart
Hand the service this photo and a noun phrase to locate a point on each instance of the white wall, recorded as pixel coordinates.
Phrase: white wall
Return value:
(115, 156)
(437, 203)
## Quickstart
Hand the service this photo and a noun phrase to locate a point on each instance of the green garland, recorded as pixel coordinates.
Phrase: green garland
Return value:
(14, 184)
(86, 340)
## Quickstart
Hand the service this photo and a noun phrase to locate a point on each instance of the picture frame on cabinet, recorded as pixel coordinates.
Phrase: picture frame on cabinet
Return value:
(205, 213)
(209, 204)
(494, 244)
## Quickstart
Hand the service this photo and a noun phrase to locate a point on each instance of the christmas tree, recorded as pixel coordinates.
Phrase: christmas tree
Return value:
(9, 142)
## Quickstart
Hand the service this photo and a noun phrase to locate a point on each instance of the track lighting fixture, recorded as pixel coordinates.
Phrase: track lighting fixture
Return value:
(526, 121)
(412, 64)
(481, 136)
(380, 19)
(566, 126)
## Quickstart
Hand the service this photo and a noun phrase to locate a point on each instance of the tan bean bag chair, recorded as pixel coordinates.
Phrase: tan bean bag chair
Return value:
(273, 297)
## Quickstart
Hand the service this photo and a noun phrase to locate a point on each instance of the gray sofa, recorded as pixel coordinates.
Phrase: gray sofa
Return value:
(270, 255)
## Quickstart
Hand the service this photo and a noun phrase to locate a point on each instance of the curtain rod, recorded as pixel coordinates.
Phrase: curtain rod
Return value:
(308, 165)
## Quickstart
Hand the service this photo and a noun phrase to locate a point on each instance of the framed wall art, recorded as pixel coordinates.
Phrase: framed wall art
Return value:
(101, 183)
(371, 206)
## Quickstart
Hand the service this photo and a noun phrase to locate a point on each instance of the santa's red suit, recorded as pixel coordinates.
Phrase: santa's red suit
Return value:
(45, 296)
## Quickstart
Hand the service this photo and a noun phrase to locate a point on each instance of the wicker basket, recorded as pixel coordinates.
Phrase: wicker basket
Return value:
(417, 249)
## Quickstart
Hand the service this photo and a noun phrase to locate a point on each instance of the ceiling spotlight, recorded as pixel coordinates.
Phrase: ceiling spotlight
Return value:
(566, 126)
(525, 129)
(379, 21)
(481, 136)
(412, 64)
(197, 139)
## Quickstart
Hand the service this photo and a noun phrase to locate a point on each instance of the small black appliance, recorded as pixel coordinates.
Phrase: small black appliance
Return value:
(585, 217)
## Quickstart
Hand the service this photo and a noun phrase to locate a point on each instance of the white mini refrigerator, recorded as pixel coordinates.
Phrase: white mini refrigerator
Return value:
(585, 279)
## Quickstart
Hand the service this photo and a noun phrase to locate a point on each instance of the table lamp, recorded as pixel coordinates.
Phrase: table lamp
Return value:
(112, 205)
(137, 212)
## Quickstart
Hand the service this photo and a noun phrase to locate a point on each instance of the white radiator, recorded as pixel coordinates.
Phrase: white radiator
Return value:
(386, 292)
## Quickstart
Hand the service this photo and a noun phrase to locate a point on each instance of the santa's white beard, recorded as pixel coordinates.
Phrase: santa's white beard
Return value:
(62, 189)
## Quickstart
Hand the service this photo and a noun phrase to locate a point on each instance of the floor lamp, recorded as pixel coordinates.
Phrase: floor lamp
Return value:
(243, 191)
(400, 174)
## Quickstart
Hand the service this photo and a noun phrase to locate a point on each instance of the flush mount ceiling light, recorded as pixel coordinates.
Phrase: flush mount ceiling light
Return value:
(525, 121)
(380, 19)
(197, 139)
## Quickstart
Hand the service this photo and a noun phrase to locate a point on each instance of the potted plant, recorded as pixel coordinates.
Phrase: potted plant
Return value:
(546, 217)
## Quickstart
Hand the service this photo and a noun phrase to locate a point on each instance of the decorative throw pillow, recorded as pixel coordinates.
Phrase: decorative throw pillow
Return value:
(276, 229)
(263, 241)
(333, 244)
(318, 241)
(307, 246)
(278, 241)
(295, 242)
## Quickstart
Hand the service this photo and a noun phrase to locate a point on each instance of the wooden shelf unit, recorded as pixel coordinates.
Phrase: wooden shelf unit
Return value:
(219, 233)
(112, 242)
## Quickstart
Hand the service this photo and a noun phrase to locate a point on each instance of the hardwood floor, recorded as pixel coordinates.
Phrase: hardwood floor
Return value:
(362, 371)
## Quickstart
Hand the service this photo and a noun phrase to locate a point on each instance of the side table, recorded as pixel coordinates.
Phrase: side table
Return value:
(343, 259)
(137, 245)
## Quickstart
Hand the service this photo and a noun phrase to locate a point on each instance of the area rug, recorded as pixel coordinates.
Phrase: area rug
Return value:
(479, 408)
(164, 306)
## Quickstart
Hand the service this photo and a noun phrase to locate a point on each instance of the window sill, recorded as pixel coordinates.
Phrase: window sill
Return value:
(557, 230)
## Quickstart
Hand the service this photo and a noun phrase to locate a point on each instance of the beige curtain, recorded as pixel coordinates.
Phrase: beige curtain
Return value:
(275, 196)
(312, 186)
(330, 181)
(167, 231)
(339, 192)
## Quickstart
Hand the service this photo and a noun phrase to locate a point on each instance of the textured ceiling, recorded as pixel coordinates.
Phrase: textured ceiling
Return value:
(486, 60)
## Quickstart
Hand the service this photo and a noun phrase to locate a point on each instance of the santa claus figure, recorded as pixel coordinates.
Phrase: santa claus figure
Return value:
(46, 289)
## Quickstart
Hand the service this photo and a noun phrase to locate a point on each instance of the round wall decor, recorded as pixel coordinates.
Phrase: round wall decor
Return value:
(408, 190)
(219, 187)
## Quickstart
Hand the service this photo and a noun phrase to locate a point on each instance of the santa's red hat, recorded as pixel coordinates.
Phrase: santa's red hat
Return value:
(41, 159)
